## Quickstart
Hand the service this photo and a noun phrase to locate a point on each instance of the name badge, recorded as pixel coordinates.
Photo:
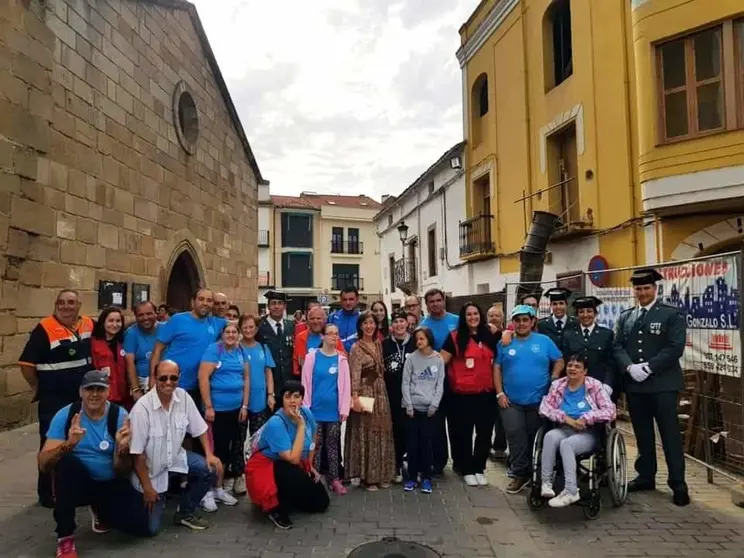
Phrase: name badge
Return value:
(435, 368)
(104, 445)
(148, 354)
(394, 364)
(122, 353)
(470, 362)
(218, 365)
(332, 370)
(512, 352)
(581, 404)
(312, 446)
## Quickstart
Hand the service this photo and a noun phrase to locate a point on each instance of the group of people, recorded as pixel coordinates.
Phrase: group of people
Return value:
(170, 403)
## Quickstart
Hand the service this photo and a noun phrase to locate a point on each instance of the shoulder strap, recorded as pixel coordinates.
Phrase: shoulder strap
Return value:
(74, 410)
(112, 421)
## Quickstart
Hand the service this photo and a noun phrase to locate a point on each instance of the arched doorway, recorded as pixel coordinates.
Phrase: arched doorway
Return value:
(721, 237)
(182, 283)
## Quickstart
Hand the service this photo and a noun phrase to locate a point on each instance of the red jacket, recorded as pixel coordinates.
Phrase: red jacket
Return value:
(105, 360)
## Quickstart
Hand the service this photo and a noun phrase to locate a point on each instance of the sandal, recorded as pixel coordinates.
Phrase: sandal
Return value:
(372, 488)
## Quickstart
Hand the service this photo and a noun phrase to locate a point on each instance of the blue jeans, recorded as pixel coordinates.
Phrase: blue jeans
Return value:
(200, 478)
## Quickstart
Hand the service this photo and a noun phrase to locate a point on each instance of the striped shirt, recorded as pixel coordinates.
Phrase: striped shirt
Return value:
(158, 433)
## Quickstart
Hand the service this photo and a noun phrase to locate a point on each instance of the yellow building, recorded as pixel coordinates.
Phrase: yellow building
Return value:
(319, 244)
(689, 63)
(623, 118)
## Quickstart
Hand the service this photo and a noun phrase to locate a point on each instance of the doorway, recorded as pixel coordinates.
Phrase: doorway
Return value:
(182, 283)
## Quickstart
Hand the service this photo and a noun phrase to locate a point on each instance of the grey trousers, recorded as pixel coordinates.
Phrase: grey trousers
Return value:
(521, 423)
(569, 443)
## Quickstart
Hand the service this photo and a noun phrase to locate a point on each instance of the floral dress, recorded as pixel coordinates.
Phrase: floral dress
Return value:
(369, 451)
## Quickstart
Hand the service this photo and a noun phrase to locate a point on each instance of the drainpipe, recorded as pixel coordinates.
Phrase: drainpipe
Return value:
(528, 119)
(633, 159)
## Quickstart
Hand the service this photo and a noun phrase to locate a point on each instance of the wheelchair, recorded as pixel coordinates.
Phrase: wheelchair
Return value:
(608, 465)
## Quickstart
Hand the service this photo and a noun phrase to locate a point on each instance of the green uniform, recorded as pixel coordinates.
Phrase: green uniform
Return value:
(656, 338)
(547, 326)
(281, 347)
(597, 347)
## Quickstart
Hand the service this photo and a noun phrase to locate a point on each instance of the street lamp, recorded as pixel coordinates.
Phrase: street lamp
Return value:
(403, 231)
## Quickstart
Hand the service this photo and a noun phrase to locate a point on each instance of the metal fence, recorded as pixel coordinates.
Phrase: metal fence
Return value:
(707, 291)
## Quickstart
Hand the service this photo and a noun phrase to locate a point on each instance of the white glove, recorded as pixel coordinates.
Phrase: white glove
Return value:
(637, 372)
(607, 389)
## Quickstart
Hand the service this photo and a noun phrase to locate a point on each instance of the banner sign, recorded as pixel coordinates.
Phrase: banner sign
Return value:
(707, 293)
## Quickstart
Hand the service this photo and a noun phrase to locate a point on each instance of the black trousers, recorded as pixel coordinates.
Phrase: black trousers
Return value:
(645, 408)
(47, 409)
(117, 503)
(190, 443)
(229, 439)
(297, 491)
(439, 442)
(473, 412)
(420, 434)
(400, 437)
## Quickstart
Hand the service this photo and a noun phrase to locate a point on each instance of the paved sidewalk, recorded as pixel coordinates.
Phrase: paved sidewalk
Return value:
(456, 521)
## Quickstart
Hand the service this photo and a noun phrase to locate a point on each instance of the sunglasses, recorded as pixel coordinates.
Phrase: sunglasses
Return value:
(173, 378)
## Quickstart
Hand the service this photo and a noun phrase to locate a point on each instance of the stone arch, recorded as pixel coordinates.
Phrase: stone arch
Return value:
(724, 236)
(183, 273)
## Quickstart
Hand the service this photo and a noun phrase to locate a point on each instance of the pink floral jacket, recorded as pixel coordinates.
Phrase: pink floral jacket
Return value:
(602, 407)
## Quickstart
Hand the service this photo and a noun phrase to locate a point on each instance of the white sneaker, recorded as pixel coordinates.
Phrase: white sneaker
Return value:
(547, 490)
(356, 481)
(239, 486)
(228, 485)
(564, 499)
(481, 479)
(224, 497)
(208, 504)
(470, 480)
(398, 479)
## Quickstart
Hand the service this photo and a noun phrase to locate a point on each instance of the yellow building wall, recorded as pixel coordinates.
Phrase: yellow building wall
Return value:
(602, 83)
(655, 21)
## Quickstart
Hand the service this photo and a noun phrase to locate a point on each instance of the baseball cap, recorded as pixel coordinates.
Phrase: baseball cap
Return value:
(95, 378)
(523, 309)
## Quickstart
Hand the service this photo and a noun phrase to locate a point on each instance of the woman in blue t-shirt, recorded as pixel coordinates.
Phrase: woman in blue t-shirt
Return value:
(224, 381)
(261, 395)
(280, 474)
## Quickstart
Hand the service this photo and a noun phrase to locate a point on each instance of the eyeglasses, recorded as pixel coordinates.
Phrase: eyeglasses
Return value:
(164, 379)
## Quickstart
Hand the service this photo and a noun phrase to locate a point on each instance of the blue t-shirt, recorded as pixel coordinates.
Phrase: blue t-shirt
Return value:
(574, 402)
(259, 358)
(279, 434)
(325, 388)
(186, 338)
(313, 341)
(96, 449)
(226, 382)
(140, 344)
(441, 327)
(526, 367)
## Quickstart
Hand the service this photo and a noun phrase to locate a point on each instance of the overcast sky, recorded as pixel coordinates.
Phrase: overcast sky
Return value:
(342, 96)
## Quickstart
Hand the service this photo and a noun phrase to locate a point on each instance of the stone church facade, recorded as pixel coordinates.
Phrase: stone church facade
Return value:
(123, 165)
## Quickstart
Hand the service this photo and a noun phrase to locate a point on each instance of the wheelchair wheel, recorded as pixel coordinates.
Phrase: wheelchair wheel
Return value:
(593, 507)
(617, 468)
(534, 500)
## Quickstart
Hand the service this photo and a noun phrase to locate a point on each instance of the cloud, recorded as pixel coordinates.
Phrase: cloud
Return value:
(342, 95)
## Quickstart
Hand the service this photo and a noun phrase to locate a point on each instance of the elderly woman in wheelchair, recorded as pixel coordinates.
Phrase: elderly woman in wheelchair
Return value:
(579, 408)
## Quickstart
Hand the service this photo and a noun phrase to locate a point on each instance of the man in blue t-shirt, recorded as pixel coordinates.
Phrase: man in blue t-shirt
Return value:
(346, 318)
(523, 371)
(89, 455)
(139, 343)
(442, 324)
(184, 338)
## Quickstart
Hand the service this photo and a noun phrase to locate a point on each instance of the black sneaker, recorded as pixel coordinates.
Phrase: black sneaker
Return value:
(281, 520)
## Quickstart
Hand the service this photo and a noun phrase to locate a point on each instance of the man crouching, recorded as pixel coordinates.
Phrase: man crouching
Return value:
(87, 448)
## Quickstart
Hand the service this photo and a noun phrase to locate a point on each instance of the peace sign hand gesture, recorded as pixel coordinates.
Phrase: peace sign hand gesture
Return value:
(76, 432)
(123, 435)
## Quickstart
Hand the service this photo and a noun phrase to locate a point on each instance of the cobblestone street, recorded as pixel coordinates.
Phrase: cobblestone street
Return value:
(455, 520)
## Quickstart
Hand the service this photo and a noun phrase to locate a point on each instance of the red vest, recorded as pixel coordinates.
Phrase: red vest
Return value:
(472, 371)
(104, 359)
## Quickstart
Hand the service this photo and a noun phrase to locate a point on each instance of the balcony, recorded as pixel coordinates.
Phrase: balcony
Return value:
(404, 275)
(339, 282)
(564, 201)
(354, 247)
(263, 239)
(264, 279)
(475, 238)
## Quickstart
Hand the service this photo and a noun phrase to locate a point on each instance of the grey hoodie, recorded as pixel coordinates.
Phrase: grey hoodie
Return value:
(423, 382)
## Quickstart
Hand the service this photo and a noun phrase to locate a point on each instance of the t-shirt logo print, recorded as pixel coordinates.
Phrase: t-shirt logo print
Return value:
(535, 348)
(426, 374)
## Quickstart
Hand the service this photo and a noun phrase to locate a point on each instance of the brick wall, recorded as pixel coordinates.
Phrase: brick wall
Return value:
(94, 184)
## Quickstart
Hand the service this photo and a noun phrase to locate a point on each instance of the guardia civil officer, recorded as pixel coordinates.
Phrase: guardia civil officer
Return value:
(277, 334)
(649, 341)
(593, 341)
(555, 325)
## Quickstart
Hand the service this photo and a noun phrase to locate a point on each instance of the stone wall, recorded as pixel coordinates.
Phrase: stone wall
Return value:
(94, 183)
